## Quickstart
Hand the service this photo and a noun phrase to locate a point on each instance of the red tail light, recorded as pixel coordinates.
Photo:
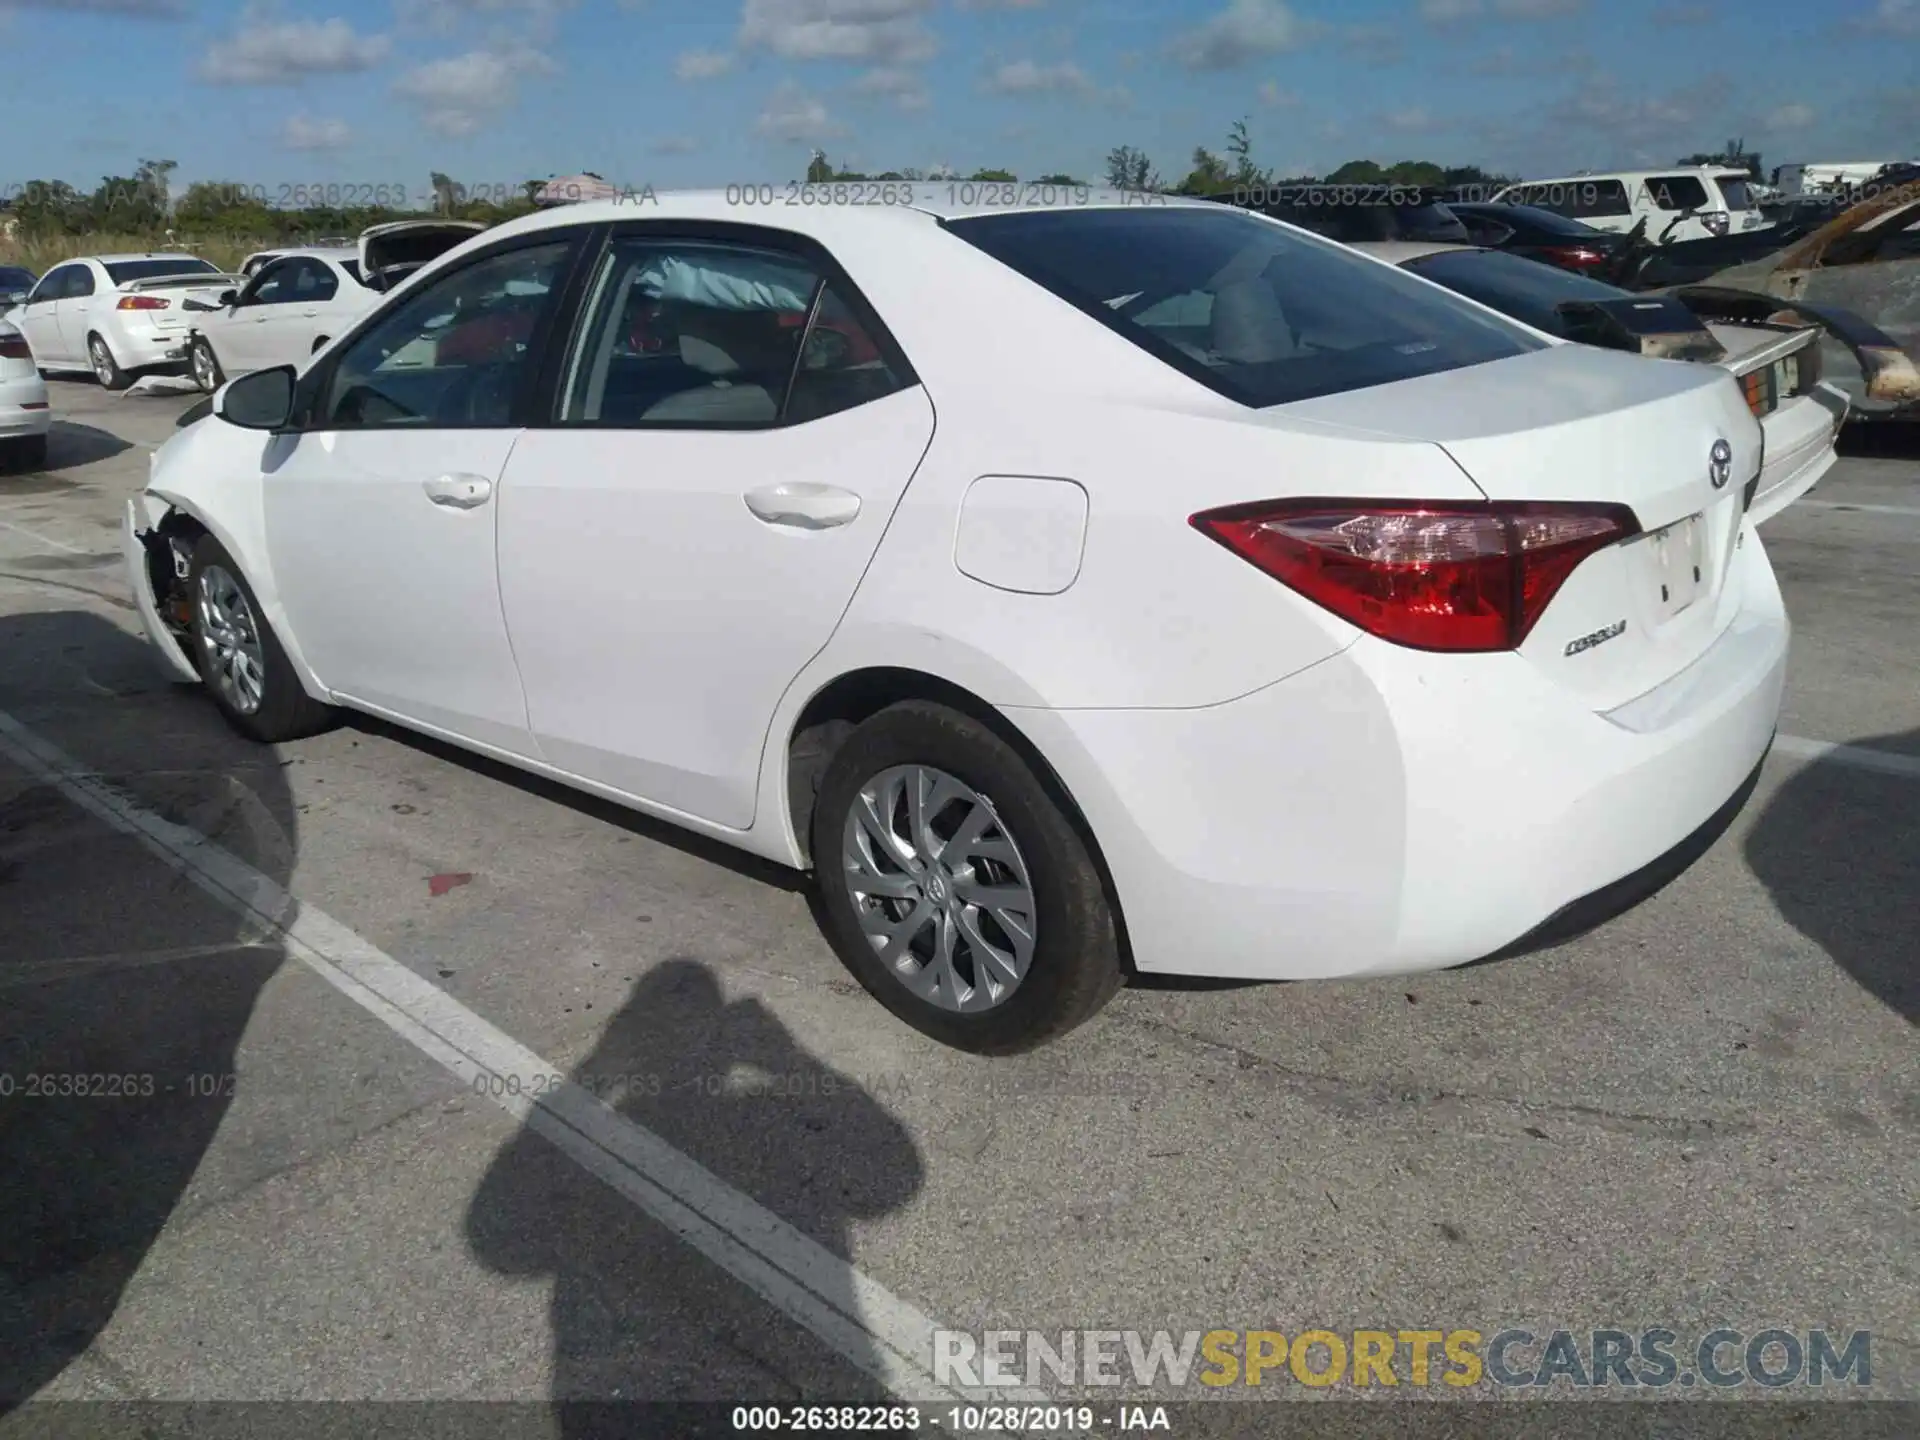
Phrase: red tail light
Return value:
(142, 302)
(1430, 577)
(1576, 257)
(13, 345)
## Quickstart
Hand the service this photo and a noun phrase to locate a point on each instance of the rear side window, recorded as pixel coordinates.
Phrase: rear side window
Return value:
(1258, 313)
(1678, 192)
(1513, 285)
(79, 282)
(1733, 189)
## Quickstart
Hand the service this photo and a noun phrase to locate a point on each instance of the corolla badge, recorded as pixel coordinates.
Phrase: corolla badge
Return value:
(1720, 464)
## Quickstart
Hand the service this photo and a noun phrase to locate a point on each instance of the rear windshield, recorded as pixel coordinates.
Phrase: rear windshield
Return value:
(12, 277)
(352, 267)
(1259, 313)
(1734, 188)
(1512, 284)
(121, 271)
(1357, 224)
(1547, 221)
(1677, 192)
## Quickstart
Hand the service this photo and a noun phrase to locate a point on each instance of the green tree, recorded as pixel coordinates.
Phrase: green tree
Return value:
(1209, 175)
(1358, 172)
(1059, 180)
(47, 208)
(999, 176)
(1415, 172)
(445, 192)
(1240, 152)
(818, 170)
(1129, 169)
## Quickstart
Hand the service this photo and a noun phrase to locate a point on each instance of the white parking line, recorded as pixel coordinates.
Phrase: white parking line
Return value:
(1867, 509)
(1884, 762)
(47, 540)
(858, 1317)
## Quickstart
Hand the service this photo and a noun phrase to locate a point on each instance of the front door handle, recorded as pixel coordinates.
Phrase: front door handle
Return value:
(460, 492)
(804, 505)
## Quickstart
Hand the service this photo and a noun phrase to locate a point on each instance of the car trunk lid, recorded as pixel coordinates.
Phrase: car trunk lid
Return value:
(1575, 424)
(409, 244)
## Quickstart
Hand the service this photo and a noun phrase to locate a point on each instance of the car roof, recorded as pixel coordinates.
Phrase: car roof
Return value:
(322, 252)
(144, 255)
(1398, 252)
(1717, 171)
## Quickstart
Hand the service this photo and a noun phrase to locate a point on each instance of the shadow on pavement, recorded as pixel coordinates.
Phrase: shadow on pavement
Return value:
(1881, 439)
(637, 1314)
(1838, 849)
(124, 991)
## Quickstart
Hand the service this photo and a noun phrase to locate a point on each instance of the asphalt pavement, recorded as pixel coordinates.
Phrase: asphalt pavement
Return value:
(721, 1172)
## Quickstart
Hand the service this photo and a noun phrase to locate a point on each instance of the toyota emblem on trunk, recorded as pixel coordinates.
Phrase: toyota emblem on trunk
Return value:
(1720, 464)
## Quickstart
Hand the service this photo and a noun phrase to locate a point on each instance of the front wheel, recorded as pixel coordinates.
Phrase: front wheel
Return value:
(106, 369)
(239, 657)
(206, 365)
(955, 887)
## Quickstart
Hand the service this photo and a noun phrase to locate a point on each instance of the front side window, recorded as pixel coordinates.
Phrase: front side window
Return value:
(1259, 313)
(271, 286)
(696, 333)
(53, 285)
(453, 353)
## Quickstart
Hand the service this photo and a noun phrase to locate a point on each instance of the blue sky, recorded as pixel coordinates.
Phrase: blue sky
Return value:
(492, 92)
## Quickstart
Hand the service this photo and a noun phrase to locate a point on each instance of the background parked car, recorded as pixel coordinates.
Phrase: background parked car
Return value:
(1678, 204)
(25, 416)
(1540, 234)
(118, 316)
(298, 299)
(1352, 214)
(1778, 366)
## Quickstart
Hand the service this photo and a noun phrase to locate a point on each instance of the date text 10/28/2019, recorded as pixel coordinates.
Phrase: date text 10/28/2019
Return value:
(953, 1419)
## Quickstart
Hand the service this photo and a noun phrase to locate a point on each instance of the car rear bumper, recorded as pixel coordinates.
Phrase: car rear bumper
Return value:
(149, 349)
(1387, 811)
(1800, 449)
(24, 409)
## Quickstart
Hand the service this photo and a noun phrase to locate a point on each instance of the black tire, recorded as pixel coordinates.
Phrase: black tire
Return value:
(105, 368)
(1075, 967)
(29, 452)
(204, 366)
(285, 711)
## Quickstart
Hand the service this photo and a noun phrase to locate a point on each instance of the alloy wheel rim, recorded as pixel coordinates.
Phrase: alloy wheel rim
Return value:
(102, 362)
(231, 639)
(203, 366)
(940, 888)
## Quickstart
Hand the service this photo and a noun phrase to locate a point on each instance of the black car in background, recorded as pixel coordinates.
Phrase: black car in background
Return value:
(1353, 214)
(16, 283)
(1541, 235)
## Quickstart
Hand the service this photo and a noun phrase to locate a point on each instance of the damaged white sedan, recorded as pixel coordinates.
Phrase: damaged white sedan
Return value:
(1072, 588)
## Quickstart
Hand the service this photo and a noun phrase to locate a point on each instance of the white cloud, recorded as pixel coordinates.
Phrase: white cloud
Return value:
(1243, 31)
(1375, 44)
(792, 115)
(702, 64)
(270, 51)
(897, 83)
(1025, 77)
(1467, 12)
(535, 21)
(1276, 98)
(458, 95)
(129, 9)
(1793, 116)
(883, 32)
(302, 133)
(1411, 121)
(1893, 17)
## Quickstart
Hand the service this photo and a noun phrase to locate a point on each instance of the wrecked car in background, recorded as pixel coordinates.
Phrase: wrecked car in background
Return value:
(1859, 276)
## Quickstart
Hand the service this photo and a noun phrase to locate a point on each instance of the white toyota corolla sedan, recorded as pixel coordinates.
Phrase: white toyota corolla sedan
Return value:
(1074, 588)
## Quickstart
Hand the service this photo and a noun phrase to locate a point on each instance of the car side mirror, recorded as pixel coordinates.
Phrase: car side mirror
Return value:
(260, 401)
(229, 297)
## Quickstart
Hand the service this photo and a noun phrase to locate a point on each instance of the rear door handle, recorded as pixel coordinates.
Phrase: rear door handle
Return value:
(460, 492)
(804, 505)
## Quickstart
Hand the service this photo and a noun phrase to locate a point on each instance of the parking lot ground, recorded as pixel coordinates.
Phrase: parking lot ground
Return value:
(306, 1186)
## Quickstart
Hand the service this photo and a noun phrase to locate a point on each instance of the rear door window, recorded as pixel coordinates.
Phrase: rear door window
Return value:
(1256, 312)
(1734, 191)
(1678, 192)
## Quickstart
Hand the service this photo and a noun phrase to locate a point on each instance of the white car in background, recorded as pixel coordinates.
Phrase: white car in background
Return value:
(1777, 366)
(1684, 203)
(1064, 586)
(25, 415)
(296, 300)
(118, 316)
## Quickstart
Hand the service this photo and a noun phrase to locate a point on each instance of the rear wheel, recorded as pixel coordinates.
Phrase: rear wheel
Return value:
(239, 657)
(955, 887)
(106, 369)
(206, 366)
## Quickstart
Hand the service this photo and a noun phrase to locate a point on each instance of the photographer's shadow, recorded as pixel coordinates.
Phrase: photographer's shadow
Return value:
(637, 1313)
